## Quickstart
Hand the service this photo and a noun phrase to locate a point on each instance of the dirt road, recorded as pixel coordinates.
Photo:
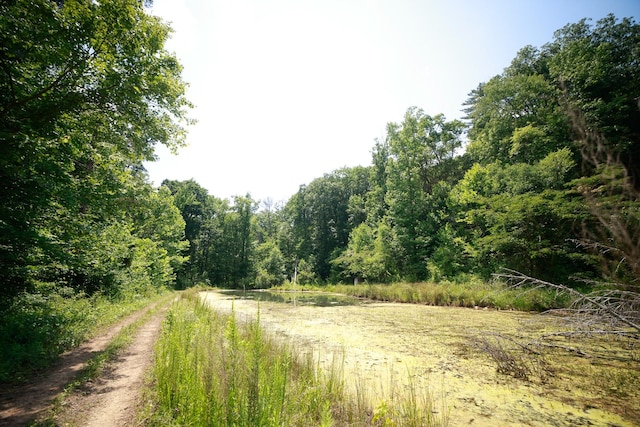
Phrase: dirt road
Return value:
(109, 400)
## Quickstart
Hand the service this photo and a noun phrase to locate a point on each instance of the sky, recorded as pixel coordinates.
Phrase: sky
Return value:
(286, 91)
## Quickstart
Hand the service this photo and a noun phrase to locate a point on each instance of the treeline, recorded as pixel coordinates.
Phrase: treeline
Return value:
(88, 91)
(528, 181)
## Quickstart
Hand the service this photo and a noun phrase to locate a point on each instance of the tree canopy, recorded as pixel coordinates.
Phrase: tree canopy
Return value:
(88, 91)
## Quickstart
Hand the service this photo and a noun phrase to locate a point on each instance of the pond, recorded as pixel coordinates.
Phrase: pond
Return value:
(318, 299)
(383, 347)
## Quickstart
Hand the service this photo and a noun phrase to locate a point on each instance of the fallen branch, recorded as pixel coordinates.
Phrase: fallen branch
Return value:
(623, 306)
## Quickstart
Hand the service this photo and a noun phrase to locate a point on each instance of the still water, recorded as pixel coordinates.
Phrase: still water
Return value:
(318, 299)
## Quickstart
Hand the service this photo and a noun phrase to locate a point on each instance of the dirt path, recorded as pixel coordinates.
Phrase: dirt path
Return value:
(109, 400)
(114, 397)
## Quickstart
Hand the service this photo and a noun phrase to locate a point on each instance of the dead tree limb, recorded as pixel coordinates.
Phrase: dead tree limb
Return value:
(625, 314)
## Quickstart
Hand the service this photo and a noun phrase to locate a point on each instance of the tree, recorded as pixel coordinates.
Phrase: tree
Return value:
(521, 216)
(160, 221)
(323, 213)
(516, 118)
(198, 210)
(523, 137)
(269, 265)
(421, 152)
(87, 91)
(596, 69)
(239, 235)
(370, 254)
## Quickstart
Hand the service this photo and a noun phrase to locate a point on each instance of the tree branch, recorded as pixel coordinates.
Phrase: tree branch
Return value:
(522, 279)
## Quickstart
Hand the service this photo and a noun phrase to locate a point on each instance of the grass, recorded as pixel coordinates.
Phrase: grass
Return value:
(472, 293)
(212, 370)
(37, 327)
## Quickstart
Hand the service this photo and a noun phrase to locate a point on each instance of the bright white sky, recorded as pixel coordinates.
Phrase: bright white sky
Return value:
(288, 90)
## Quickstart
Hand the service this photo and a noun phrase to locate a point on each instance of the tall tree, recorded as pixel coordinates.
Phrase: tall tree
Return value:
(523, 132)
(596, 68)
(86, 92)
(422, 149)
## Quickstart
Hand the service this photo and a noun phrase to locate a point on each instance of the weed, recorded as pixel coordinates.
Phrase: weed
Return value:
(515, 360)
(473, 293)
(212, 370)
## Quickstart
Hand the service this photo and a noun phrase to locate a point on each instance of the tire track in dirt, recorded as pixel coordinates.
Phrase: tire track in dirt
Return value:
(114, 397)
(23, 404)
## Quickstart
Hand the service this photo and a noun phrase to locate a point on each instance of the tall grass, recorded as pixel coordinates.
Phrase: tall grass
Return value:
(212, 370)
(471, 293)
(36, 327)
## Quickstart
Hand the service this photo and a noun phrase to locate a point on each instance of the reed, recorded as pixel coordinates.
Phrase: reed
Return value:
(213, 370)
(472, 294)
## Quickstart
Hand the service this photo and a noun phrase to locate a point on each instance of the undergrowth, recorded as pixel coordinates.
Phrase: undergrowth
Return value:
(37, 327)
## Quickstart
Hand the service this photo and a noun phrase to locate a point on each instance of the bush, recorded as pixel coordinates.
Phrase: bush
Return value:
(38, 326)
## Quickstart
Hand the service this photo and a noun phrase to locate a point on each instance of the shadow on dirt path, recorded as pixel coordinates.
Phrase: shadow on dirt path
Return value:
(114, 397)
(23, 404)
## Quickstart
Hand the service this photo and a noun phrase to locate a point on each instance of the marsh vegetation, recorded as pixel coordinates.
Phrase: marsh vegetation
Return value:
(214, 369)
(542, 178)
(465, 364)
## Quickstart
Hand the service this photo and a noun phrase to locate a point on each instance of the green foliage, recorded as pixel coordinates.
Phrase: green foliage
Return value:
(38, 326)
(597, 68)
(269, 265)
(220, 236)
(306, 274)
(323, 214)
(422, 151)
(613, 229)
(370, 254)
(516, 118)
(531, 127)
(87, 92)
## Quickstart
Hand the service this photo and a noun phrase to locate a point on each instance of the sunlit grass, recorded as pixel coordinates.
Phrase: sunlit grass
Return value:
(213, 370)
(472, 293)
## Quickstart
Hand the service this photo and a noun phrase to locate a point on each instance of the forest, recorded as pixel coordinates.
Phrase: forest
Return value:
(542, 177)
(548, 150)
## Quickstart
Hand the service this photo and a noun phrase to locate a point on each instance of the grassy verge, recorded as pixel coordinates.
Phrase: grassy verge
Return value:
(37, 327)
(471, 293)
(212, 370)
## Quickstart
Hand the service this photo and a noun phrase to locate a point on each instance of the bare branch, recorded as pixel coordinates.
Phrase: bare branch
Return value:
(622, 306)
